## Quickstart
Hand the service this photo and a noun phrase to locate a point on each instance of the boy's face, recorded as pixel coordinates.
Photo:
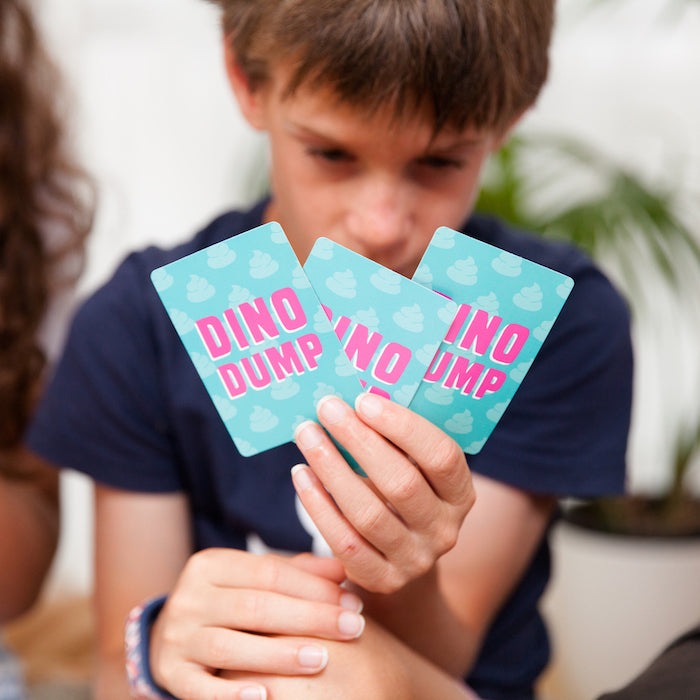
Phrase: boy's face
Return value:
(375, 186)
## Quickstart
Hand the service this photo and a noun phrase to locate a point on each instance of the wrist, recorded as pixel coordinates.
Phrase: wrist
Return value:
(137, 635)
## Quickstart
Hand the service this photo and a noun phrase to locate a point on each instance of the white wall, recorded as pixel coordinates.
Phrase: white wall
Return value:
(155, 123)
(625, 78)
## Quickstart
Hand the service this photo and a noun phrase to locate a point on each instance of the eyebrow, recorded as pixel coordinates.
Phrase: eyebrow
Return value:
(305, 131)
(432, 148)
(474, 142)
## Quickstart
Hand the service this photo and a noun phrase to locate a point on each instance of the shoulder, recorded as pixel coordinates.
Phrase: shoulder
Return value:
(565, 431)
(594, 301)
(558, 255)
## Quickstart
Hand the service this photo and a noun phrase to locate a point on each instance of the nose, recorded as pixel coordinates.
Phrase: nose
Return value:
(380, 213)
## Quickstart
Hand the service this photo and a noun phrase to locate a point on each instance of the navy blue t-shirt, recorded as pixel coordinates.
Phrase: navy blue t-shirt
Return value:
(127, 407)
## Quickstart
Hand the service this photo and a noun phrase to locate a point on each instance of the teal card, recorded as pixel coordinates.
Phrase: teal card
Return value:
(257, 335)
(390, 326)
(270, 339)
(507, 306)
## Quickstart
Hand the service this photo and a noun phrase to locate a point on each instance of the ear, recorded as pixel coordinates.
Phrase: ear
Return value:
(250, 100)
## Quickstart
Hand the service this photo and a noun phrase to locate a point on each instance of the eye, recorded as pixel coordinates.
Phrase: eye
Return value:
(331, 155)
(441, 162)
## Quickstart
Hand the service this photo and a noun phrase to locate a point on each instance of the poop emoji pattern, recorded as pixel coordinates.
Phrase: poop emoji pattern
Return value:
(269, 338)
(464, 272)
(220, 255)
(507, 306)
(257, 335)
(380, 317)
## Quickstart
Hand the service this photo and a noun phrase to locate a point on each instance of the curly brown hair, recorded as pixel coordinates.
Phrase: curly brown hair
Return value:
(46, 211)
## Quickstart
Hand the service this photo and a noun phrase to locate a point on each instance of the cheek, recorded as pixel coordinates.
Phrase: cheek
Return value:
(447, 207)
(463, 193)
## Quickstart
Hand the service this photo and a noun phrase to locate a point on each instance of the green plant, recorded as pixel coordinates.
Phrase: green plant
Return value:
(566, 189)
(620, 217)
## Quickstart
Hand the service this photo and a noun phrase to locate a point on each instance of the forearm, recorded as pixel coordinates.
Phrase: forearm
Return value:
(445, 617)
(133, 562)
(29, 523)
(110, 678)
(420, 616)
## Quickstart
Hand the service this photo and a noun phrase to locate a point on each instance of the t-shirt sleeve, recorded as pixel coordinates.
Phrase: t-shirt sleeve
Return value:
(104, 412)
(565, 431)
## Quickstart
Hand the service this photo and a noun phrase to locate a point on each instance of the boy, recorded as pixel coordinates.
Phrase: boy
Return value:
(380, 115)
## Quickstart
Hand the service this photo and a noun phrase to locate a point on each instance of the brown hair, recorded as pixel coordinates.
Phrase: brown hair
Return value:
(46, 207)
(472, 62)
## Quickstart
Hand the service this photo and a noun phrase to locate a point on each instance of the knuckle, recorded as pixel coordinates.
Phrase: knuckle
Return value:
(270, 573)
(252, 609)
(188, 688)
(405, 487)
(201, 559)
(446, 454)
(371, 519)
(348, 547)
(172, 639)
(422, 563)
(393, 581)
(402, 430)
(447, 539)
(200, 565)
(181, 606)
(218, 651)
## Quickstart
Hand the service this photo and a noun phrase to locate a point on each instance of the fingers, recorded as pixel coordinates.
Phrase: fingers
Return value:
(234, 610)
(359, 544)
(354, 495)
(249, 653)
(191, 661)
(389, 443)
(327, 567)
(440, 458)
(392, 527)
(190, 609)
(230, 569)
(273, 613)
(194, 683)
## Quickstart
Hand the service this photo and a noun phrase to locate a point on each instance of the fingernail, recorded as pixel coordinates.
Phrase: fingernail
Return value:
(301, 478)
(368, 405)
(331, 409)
(313, 657)
(350, 601)
(253, 693)
(308, 435)
(351, 624)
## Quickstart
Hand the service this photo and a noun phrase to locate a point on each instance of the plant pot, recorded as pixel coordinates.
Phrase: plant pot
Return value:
(615, 601)
(639, 516)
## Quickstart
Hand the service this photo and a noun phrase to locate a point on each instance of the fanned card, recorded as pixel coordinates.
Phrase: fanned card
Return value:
(390, 326)
(257, 335)
(507, 306)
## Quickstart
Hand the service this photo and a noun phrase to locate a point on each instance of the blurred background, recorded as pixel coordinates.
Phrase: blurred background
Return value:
(154, 122)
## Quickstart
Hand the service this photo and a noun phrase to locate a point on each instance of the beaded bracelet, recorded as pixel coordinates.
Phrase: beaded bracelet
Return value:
(136, 645)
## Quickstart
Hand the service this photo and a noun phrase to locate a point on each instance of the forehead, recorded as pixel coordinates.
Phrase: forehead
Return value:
(316, 108)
